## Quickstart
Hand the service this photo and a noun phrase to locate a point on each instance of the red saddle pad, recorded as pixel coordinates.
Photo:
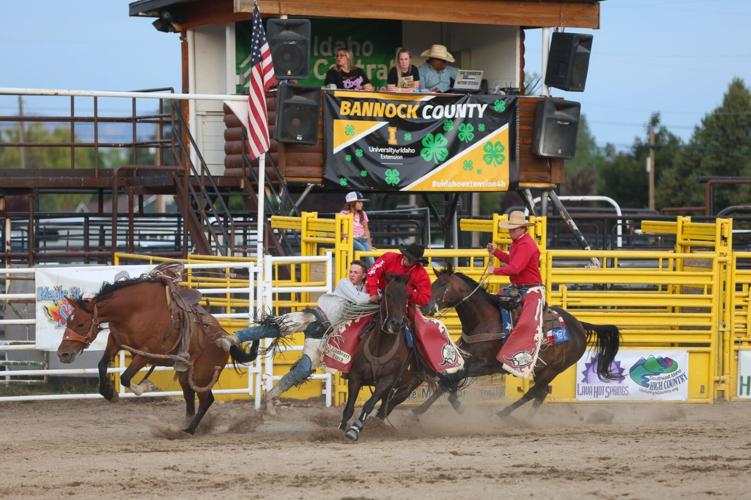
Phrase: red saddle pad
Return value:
(341, 346)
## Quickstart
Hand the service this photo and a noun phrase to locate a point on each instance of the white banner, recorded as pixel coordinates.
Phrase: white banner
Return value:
(646, 375)
(744, 374)
(55, 283)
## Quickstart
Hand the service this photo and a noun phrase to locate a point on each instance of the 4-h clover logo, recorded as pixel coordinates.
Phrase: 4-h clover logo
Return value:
(499, 106)
(434, 148)
(481, 127)
(468, 164)
(359, 152)
(493, 153)
(348, 157)
(466, 132)
(343, 181)
(349, 130)
(363, 173)
(392, 176)
(407, 136)
(448, 125)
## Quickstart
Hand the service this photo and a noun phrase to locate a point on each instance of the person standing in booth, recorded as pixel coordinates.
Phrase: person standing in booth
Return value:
(436, 75)
(345, 75)
(403, 76)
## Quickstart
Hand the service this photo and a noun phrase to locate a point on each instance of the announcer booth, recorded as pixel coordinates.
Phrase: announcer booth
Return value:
(485, 39)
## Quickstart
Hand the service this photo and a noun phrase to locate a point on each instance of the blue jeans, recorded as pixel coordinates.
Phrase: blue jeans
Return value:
(361, 244)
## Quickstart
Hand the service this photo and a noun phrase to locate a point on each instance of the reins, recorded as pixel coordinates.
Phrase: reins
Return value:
(480, 284)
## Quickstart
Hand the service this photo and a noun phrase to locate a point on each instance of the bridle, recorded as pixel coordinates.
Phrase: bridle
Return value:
(480, 283)
(385, 313)
(73, 336)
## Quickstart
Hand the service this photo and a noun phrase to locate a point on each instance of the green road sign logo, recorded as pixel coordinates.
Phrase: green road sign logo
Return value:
(657, 375)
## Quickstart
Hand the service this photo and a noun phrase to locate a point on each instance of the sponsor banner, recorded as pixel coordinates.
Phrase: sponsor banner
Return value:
(373, 44)
(645, 375)
(417, 142)
(744, 374)
(53, 285)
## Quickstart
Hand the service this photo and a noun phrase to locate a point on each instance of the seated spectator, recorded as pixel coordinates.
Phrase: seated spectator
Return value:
(345, 75)
(403, 77)
(435, 74)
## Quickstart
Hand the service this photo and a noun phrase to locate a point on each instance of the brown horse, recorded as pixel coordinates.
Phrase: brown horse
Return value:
(481, 326)
(384, 360)
(142, 320)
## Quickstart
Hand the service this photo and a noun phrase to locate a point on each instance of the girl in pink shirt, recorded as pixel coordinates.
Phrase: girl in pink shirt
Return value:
(354, 205)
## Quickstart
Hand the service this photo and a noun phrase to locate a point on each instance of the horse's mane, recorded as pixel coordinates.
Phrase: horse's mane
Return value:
(482, 291)
(110, 288)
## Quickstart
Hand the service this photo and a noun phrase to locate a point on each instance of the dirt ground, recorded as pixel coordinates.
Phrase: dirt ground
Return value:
(132, 449)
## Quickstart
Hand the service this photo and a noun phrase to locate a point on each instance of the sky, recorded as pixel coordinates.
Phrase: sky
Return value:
(675, 57)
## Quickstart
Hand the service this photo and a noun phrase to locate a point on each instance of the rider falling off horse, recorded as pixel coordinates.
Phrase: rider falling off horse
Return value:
(519, 352)
(314, 322)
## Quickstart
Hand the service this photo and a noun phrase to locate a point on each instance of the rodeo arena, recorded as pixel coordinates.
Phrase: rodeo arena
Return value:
(214, 323)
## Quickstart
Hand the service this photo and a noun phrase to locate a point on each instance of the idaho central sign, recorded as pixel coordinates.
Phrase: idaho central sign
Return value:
(419, 142)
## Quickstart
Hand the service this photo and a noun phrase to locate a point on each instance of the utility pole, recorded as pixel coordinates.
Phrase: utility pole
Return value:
(651, 166)
(21, 133)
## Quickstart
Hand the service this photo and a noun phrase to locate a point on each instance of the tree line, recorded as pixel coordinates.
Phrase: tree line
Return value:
(719, 146)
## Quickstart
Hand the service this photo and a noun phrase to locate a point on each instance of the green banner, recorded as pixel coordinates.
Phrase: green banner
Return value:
(372, 42)
(419, 142)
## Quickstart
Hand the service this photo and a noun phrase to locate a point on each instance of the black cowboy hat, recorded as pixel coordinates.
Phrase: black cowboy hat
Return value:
(414, 252)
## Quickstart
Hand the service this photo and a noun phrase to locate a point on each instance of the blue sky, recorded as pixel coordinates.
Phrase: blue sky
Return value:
(672, 56)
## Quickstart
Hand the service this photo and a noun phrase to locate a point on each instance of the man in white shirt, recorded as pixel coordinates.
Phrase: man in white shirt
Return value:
(313, 322)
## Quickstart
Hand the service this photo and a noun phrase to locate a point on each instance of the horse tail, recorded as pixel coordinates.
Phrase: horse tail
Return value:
(240, 356)
(608, 341)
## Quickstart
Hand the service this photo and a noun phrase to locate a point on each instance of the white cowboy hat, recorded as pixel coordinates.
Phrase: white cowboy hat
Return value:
(515, 219)
(438, 51)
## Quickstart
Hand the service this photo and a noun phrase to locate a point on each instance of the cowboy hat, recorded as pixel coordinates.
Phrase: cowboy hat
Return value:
(515, 219)
(354, 196)
(438, 51)
(414, 252)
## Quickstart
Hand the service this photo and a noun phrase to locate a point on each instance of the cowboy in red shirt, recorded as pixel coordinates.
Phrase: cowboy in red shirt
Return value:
(408, 262)
(523, 258)
(519, 353)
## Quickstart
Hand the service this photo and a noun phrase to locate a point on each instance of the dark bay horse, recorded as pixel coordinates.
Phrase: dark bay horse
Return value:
(383, 360)
(143, 320)
(480, 318)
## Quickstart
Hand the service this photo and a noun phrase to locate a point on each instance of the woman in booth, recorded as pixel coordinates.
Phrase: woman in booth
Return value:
(404, 76)
(345, 75)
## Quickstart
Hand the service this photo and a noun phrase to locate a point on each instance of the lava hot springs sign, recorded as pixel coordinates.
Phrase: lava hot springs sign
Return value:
(419, 142)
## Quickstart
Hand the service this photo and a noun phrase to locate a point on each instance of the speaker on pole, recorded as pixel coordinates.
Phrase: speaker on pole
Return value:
(298, 109)
(568, 61)
(289, 41)
(556, 125)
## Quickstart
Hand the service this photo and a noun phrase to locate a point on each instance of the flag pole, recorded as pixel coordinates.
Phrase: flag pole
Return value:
(260, 233)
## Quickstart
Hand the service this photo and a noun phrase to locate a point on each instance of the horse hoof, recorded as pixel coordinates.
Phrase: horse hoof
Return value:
(352, 434)
(189, 431)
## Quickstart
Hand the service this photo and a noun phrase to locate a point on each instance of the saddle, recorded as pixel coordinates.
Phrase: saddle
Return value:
(186, 315)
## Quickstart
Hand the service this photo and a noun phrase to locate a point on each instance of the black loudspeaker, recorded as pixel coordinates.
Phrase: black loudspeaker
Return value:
(297, 110)
(556, 124)
(568, 61)
(289, 41)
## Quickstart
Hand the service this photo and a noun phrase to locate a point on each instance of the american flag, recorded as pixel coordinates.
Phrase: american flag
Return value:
(261, 78)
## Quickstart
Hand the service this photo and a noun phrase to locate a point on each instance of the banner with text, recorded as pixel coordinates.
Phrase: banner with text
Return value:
(419, 142)
(644, 375)
(53, 285)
